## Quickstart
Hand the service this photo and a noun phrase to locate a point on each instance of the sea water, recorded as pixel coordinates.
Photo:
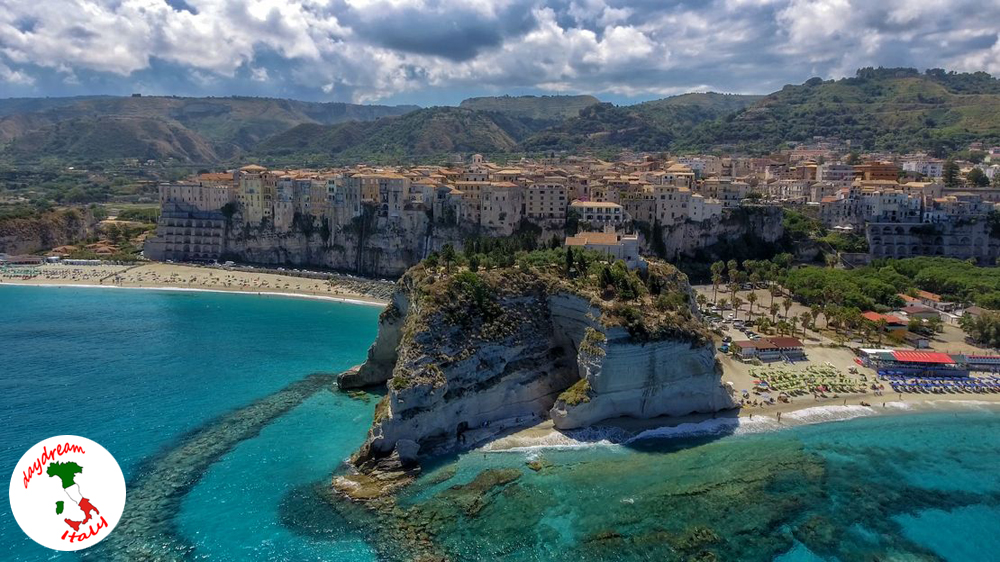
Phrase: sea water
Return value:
(140, 371)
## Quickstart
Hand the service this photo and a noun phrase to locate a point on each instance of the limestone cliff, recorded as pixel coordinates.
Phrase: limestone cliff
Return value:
(762, 224)
(469, 355)
(369, 244)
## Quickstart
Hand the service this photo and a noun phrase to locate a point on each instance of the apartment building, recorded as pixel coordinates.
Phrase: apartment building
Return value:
(598, 212)
(546, 200)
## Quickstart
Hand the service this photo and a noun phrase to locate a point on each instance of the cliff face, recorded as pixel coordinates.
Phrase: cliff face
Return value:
(760, 223)
(468, 356)
(369, 245)
(49, 230)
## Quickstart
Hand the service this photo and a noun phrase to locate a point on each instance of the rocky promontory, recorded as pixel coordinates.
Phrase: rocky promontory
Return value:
(469, 353)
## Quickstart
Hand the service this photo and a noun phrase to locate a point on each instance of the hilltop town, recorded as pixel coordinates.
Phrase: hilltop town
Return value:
(879, 206)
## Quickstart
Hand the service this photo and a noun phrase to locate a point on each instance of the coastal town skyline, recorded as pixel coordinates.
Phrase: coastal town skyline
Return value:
(500, 280)
(438, 53)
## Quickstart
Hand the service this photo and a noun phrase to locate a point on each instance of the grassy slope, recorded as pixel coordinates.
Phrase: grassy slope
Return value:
(884, 112)
(532, 107)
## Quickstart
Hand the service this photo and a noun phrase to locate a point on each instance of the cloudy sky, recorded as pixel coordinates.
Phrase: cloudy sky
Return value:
(440, 51)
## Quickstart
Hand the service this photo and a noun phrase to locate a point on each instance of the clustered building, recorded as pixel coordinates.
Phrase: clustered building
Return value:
(481, 194)
(899, 203)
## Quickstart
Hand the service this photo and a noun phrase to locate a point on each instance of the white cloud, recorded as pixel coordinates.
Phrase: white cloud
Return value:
(368, 50)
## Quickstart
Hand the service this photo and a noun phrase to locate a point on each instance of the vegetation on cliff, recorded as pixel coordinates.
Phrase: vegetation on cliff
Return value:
(468, 296)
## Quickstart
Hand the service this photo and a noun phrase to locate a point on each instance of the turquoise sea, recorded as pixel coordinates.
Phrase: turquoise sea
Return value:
(145, 373)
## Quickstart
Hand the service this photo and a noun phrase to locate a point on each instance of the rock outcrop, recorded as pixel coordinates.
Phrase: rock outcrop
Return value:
(762, 224)
(45, 231)
(468, 356)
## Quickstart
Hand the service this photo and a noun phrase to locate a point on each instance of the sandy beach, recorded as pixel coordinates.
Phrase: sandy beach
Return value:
(170, 276)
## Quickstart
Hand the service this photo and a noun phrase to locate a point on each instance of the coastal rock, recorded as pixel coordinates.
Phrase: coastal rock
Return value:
(45, 231)
(470, 356)
(666, 378)
(381, 360)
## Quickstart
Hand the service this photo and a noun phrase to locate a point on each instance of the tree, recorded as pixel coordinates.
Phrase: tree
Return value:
(775, 307)
(996, 178)
(734, 268)
(786, 304)
(448, 255)
(950, 173)
(737, 303)
(794, 323)
(831, 260)
(775, 291)
(702, 300)
(474, 263)
(716, 281)
(977, 178)
(882, 324)
(751, 298)
(569, 261)
(806, 318)
(723, 303)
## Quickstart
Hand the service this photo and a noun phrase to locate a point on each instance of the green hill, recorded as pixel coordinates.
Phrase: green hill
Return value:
(532, 107)
(226, 126)
(648, 126)
(109, 138)
(436, 131)
(895, 109)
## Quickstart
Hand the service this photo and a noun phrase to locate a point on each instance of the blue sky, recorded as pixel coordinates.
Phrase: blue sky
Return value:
(438, 52)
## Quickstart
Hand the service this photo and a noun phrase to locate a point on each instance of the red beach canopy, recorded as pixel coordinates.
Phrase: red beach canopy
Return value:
(922, 357)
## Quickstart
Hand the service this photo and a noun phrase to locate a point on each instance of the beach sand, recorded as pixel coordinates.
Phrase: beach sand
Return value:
(189, 277)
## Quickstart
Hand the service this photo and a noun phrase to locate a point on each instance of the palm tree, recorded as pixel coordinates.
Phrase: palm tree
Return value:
(794, 322)
(774, 311)
(716, 281)
(882, 325)
(782, 327)
(702, 300)
(816, 310)
(737, 303)
(775, 291)
(733, 288)
(806, 319)
(733, 268)
(786, 304)
(751, 298)
(723, 303)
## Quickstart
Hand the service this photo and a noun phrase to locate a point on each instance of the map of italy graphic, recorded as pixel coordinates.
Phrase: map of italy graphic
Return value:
(66, 472)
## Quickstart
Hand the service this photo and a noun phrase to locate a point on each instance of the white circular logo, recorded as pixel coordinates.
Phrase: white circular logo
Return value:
(67, 493)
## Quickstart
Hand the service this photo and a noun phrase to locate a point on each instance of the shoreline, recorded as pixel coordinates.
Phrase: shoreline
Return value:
(182, 277)
(625, 431)
(353, 299)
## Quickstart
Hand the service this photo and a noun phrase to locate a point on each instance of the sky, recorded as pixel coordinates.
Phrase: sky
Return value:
(438, 52)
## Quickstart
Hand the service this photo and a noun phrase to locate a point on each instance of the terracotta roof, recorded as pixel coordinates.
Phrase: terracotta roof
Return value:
(875, 317)
(785, 342)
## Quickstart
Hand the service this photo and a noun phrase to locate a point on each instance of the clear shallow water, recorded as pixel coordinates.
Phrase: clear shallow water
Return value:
(904, 487)
(136, 370)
